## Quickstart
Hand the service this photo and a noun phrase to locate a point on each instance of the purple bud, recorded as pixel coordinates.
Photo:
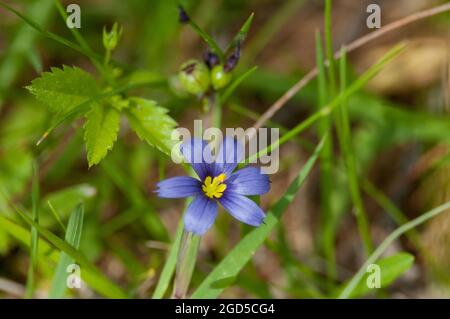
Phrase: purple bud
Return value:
(233, 59)
(211, 59)
(182, 15)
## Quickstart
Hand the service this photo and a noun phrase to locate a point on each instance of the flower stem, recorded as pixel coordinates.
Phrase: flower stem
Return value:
(217, 112)
(187, 255)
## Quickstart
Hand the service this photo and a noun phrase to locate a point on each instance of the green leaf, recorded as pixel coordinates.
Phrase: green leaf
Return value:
(391, 268)
(95, 277)
(227, 270)
(61, 90)
(63, 201)
(348, 290)
(100, 131)
(34, 244)
(51, 35)
(208, 40)
(170, 264)
(73, 237)
(234, 85)
(151, 123)
(242, 34)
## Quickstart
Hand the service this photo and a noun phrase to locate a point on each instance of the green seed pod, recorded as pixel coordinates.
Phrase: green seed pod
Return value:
(219, 77)
(194, 77)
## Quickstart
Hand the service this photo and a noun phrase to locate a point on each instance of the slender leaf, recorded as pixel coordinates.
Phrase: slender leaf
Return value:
(51, 35)
(351, 165)
(102, 282)
(390, 269)
(241, 35)
(171, 261)
(326, 111)
(327, 219)
(34, 245)
(208, 39)
(98, 282)
(353, 283)
(233, 86)
(73, 237)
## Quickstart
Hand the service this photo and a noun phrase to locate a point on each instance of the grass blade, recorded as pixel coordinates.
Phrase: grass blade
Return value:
(73, 237)
(346, 144)
(52, 35)
(227, 270)
(205, 36)
(97, 282)
(353, 283)
(329, 48)
(101, 281)
(335, 103)
(55, 214)
(327, 219)
(233, 86)
(391, 268)
(241, 35)
(34, 243)
(171, 262)
(13, 60)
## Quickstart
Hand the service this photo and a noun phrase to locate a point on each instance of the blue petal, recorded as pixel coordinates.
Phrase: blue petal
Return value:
(229, 155)
(248, 181)
(197, 153)
(200, 215)
(179, 187)
(242, 208)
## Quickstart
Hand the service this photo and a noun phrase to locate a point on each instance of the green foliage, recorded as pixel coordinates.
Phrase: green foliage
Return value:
(73, 237)
(100, 282)
(226, 271)
(70, 91)
(34, 245)
(390, 269)
(241, 35)
(62, 90)
(100, 131)
(151, 123)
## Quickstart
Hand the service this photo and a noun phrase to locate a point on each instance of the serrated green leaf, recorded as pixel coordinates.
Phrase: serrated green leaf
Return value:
(151, 123)
(61, 90)
(100, 131)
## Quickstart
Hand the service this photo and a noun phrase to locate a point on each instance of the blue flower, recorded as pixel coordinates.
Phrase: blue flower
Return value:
(216, 184)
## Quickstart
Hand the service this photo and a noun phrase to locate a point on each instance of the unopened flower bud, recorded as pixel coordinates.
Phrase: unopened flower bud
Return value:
(182, 15)
(111, 38)
(194, 77)
(211, 59)
(220, 77)
(233, 59)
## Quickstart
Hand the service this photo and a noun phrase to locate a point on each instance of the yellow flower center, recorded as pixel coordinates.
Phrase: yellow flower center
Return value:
(214, 187)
